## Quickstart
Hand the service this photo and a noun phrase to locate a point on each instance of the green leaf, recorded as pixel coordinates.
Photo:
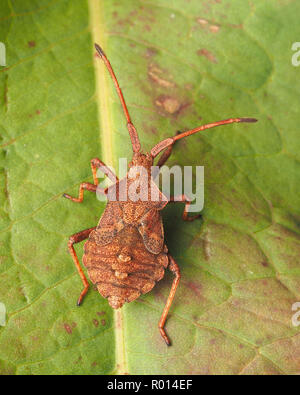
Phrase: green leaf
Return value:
(180, 64)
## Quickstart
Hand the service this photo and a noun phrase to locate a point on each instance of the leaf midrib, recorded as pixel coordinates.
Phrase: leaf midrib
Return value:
(105, 121)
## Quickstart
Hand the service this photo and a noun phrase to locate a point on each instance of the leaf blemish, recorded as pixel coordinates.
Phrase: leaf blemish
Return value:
(170, 104)
(202, 21)
(196, 288)
(154, 73)
(265, 264)
(150, 52)
(214, 28)
(205, 52)
(96, 323)
(68, 329)
(205, 24)
(100, 313)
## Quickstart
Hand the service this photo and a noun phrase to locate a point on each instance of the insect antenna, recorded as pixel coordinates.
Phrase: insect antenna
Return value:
(171, 140)
(136, 146)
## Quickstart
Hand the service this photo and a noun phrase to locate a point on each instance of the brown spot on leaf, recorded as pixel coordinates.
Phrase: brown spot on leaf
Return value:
(207, 54)
(96, 323)
(240, 26)
(100, 313)
(125, 22)
(156, 75)
(202, 21)
(31, 44)
(78, 360)
(68, 329)
(150, 52)
(214, 28)
(206, 25)
(103, 322)
(170, 104)
(196, 288)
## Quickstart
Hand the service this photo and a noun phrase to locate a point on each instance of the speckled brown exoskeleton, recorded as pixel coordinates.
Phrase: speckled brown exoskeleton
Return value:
(126, 254)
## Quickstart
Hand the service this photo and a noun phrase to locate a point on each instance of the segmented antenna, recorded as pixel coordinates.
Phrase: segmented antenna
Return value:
(171, 140)
(136, 145)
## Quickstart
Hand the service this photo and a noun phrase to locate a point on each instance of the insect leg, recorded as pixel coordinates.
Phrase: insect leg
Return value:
(175, 269)
(186, 200)
(85, 186)
(166, 154)
(95, 164)
(162, 160)
(77, 238)
(164, 157)
(98, 164)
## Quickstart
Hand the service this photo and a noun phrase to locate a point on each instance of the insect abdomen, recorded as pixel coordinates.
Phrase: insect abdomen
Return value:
(123, 269)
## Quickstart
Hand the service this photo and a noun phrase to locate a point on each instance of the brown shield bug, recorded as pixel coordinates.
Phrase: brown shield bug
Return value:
(125, 254)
